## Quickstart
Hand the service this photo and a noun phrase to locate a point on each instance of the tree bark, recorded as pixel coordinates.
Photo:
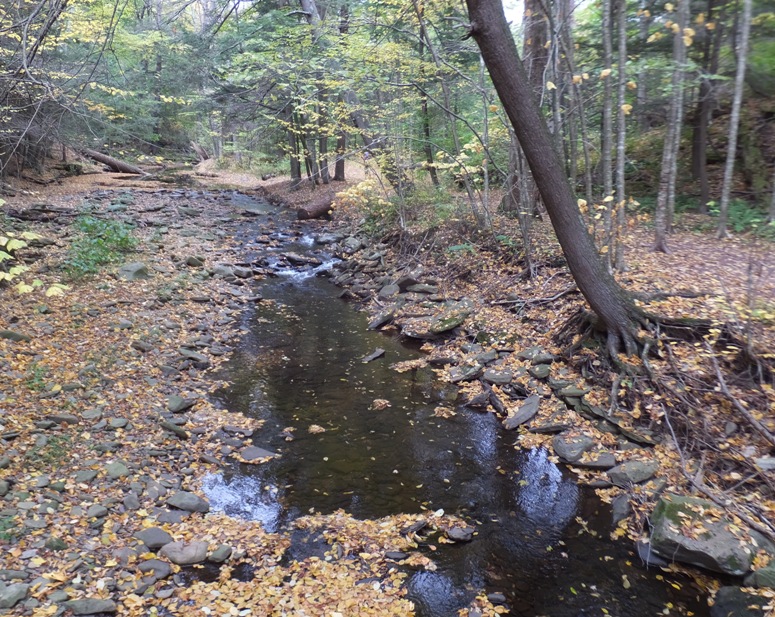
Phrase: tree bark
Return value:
(734, 121)
(668, 171)
(620, 222)
(616, 312)
(115, 164)
(606, 133)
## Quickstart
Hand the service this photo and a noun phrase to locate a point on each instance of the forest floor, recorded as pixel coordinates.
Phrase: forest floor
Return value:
(94, 447)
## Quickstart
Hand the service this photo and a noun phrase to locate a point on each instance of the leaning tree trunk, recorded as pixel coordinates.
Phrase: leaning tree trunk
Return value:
(614, 308)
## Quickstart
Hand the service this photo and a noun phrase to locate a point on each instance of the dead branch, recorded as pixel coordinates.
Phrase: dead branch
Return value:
(737, 404)
(535, 301)
(765, 529)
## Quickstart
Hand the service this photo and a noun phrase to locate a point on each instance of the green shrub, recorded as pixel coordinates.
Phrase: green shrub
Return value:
(100, 242)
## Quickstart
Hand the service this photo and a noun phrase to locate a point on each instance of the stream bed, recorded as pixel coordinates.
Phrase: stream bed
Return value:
(543, 542)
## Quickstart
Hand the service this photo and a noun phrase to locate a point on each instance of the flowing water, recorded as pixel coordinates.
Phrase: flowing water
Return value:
(543, 541)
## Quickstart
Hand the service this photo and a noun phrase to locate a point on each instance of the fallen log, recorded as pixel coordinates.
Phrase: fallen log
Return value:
(115, 164)
(200, 151)
(317, 209)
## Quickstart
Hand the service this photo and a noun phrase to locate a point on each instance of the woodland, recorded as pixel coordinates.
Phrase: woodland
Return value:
(585, 192)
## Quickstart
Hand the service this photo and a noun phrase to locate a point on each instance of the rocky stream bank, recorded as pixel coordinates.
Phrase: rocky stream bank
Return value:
(107, 427)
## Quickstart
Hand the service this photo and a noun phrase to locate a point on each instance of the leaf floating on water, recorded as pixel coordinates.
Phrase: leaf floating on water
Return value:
(315, 429)
(408, 365)
(379, 404)
(444, 412)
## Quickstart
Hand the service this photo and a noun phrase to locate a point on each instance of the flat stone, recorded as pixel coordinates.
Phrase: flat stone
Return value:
(156, 568)
(193, 355)
(154, 537)
(540, 371)
(96, 511)
(254, 453)
(91, 606)
(183, 500)
(381, 318)
(11, 595)
(597, 460)
(465, 372)
(64, 418)
(135, 271)
(178, 404)
(460, 534)
(570, 447)
(185, 554)
(116, 423)
(5, 486)
(92, 414)
(131, 502)
(12, 335)
(173, 428)
(525, 413)
(220, 554)
(763, 577)
(498, 377)
(389, 291)
(694, 530)
(116, 470)
(84, 476)
(633, 472)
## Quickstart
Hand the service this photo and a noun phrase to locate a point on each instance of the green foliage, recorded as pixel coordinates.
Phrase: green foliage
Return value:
(744, 217)
(9, 531)
(100, 242)
(53, 453)
(36, 377)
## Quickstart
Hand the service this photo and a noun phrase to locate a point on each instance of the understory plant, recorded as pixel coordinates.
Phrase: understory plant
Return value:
(99, 242)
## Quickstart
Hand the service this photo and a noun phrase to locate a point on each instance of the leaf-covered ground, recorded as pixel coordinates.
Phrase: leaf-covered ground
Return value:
(93, 445)
(87, 462)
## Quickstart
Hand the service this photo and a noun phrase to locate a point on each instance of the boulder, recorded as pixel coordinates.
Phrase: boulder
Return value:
(154, 537)
(183, 500)
(185, 554)
(693, 530)
(632, 472)
(570, 447)
(135, 271)
(734, 602)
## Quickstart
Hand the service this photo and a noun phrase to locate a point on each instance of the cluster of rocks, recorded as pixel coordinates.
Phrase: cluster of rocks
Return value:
(681, 528)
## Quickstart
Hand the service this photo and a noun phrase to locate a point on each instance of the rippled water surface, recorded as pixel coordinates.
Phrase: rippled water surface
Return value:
(543, 542)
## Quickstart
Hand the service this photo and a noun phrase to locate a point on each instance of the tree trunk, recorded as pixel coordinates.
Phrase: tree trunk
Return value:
(620, 222)
(614, 308)
(341, 148)
(293, 151)
(200, 151)
(734, 121)
(115, 164)
(672, 143)
(606, 132)
(704, 109)
(771, 216)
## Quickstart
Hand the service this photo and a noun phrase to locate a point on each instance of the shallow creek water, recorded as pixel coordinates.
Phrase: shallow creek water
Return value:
(542, 540)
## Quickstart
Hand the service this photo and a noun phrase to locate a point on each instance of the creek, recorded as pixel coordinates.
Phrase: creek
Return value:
(543, 541)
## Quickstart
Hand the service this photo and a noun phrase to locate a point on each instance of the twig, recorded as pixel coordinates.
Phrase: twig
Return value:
(738, 405)
(766, 531)
(533, 301)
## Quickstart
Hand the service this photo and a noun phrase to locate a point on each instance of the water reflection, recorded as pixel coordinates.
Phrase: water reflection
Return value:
(300, 364)
(543, 494)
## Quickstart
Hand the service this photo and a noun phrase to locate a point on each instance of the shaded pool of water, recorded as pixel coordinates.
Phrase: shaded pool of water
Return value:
(542, 541)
